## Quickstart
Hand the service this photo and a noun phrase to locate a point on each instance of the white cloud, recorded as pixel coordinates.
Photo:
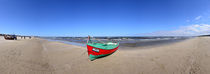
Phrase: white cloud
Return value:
(191, 30)
(198, 18)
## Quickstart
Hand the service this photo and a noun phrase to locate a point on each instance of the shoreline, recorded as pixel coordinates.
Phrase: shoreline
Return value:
(68, 42)
(127, 46)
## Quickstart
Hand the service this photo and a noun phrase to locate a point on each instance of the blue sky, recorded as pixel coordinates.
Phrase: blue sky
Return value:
(101, 17)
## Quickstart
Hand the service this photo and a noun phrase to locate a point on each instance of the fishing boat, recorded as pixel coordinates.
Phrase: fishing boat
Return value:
(97, 49)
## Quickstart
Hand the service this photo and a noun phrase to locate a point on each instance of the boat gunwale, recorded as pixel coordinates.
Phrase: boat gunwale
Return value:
(104, 48)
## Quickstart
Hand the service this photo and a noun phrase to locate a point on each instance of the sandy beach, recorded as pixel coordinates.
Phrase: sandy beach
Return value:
(38, 56)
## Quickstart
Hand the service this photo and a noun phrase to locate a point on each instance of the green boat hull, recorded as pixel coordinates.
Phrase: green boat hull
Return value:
(93, 57)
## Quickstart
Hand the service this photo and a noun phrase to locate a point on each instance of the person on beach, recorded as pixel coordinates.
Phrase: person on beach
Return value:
(88, 39)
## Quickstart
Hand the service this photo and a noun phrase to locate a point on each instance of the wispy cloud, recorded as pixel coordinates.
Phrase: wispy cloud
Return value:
(198, 17)
(191, 30)
(187, 20)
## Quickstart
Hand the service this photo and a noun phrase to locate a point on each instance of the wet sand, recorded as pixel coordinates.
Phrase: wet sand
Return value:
(38, 56)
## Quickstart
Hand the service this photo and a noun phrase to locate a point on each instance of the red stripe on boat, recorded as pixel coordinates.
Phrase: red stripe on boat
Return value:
(101, 51)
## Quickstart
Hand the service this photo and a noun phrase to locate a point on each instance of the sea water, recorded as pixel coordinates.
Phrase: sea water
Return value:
(124, 41)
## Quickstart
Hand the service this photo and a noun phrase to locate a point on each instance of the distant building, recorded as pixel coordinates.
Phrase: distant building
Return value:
(2, 34)
(204, 35)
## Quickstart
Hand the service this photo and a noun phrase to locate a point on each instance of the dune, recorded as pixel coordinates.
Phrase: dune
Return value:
(39, 56)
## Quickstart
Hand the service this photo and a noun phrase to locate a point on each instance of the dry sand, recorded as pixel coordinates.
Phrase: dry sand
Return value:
(37, 56)
(2, 38)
